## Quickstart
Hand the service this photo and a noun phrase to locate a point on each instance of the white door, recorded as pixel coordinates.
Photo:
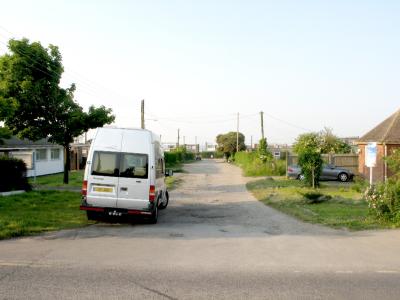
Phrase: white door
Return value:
(102, 190)
(134, 182)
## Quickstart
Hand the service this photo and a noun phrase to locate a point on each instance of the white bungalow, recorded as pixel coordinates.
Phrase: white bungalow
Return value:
(41, 157)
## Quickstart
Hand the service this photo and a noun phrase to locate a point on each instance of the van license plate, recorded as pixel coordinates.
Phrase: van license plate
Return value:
(103, 189)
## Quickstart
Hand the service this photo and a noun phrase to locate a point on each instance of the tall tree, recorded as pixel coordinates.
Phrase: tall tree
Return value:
(34, 106)
(227, 143)
(5, 133)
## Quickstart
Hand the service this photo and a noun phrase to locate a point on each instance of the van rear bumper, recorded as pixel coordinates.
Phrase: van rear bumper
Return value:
(111, 209)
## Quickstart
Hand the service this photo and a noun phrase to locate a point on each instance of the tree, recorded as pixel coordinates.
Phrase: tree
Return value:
(227, 143)
(5, 133)
(308, 148)
(330, 143)
(263, 152)
(34, 106)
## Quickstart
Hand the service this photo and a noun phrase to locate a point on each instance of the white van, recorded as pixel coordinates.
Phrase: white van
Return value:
(124, 174)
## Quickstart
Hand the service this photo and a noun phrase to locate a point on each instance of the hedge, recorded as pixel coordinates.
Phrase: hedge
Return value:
(13, 174)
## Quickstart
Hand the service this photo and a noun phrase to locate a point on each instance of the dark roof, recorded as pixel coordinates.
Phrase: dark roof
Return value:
(386, 132)
(16, 143)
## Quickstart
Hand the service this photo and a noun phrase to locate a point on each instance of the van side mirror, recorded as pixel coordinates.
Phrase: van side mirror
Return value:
(169, 172)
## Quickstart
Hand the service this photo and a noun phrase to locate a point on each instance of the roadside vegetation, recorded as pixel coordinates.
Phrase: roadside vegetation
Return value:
(253, 165)
(334, 205)
(175, 159)
(39, 211)
(172, 182)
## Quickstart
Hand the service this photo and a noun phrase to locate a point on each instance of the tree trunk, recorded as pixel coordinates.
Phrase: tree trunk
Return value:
(313, 178)
(67, 162)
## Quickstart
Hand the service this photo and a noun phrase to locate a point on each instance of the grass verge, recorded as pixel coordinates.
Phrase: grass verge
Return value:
(172, 182)
(39, 211)
(344, 209)
(56, 180)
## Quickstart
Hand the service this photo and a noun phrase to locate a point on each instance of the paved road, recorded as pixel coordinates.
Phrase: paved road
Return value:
(213, 241)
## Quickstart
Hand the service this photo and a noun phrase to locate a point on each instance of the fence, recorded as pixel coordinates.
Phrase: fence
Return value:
(348, 161)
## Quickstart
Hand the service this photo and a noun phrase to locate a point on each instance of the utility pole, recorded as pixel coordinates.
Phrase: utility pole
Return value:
(251, 143)
(195, 144)
(177, 145)
(262, 124)
(142, 115)
(237, 134)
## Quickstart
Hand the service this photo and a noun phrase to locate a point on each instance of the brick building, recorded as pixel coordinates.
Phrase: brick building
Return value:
(387, 137)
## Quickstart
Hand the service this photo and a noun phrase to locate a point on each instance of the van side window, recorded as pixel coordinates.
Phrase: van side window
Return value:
(105, 164)
(160, 168)
(134, 165)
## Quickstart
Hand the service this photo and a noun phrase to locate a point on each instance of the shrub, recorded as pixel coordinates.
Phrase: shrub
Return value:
(253, 165)
(384, 200)
(13, 174)
(315, 197)
(214, 154)
(310, 161)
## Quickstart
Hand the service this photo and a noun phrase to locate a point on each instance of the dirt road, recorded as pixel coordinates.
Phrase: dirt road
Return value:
(213, 241)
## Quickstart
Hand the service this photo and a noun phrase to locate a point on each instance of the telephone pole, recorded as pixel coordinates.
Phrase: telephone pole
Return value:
(237, 134)
(177, 145)
(142, 115)
(262, 124)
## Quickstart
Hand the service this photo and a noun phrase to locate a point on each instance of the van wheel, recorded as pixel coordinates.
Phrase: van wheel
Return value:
(92, 215)
(154, 215)
(166, 200)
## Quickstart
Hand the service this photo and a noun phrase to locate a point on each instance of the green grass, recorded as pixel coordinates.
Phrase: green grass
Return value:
(172, 182)
(39, 211)
(346, 208)
(56, 180)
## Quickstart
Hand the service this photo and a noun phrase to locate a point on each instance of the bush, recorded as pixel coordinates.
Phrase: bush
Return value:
(315, 197)
(384, 200)
(13, 174)
(253, 165)
(310, 161)
(214, 154)
(178, 156)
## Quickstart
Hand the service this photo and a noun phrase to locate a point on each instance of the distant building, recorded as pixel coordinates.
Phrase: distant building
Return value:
(210, 148)
(387, 137)
(41, 157)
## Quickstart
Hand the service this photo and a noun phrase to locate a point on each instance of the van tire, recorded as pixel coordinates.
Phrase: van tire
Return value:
(165, 204)
(92, 215)
(154, 215)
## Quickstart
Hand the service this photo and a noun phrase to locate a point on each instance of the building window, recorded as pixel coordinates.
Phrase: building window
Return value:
(41, 154)
(55, 154)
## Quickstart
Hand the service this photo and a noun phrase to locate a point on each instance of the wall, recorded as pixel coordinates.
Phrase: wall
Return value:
(48, 166)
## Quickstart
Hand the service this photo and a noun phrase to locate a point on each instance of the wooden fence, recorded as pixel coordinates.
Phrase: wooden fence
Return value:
(348, 161)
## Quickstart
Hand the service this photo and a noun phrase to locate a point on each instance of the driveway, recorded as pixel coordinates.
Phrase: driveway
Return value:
(213, 241)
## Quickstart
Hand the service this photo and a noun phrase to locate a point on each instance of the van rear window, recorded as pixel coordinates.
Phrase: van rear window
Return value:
(130, 165)
(134, 165)
(105, 164)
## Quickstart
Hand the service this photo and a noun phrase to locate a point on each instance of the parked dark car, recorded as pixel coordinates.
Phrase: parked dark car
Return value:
(329, 172)
(198, 157)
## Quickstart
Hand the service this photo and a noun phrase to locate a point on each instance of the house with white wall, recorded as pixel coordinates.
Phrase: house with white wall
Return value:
(41, 157)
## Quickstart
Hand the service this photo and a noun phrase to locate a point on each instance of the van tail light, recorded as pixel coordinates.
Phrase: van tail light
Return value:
(84, 188)
(152, 193)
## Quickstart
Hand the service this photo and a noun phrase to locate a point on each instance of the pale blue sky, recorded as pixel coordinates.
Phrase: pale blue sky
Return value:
(306, 64)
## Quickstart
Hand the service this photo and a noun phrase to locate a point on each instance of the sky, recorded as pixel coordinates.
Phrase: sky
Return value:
(306, 64)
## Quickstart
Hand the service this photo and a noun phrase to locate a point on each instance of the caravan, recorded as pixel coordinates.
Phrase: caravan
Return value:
(124, 174)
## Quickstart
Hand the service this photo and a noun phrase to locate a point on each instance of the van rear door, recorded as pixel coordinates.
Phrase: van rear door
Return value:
(133, 190)
(102, 190)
